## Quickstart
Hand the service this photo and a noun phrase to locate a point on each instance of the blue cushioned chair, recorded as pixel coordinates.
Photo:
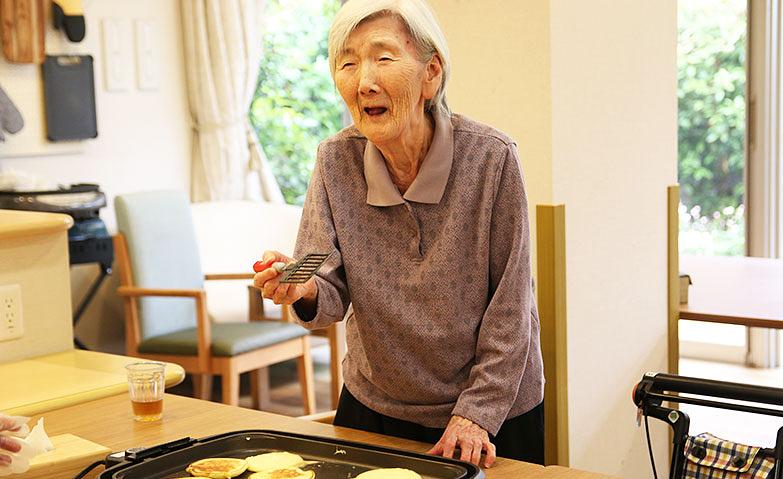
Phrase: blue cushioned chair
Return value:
(166, 317)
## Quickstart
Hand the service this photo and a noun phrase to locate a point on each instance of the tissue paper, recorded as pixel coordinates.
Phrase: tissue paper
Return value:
(35, 443)
(18, 424)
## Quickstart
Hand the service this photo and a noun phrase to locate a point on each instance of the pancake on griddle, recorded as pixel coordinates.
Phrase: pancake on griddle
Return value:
(389, 473)
(284, 473)
(218, 467)
(273, 460)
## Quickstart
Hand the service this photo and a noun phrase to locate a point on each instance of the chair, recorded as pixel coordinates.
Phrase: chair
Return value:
(257, 226)
(335, 334)
(166, 319)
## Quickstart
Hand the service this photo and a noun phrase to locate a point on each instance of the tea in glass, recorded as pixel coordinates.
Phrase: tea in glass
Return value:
(146, 383)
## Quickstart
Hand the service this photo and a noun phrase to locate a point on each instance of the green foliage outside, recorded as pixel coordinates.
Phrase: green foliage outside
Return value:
(720, 234)
(296, 105)
(711, 94)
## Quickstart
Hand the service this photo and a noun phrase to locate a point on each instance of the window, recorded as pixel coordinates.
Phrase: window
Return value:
(712, 116)
(295, 105)
(729, 60)
(712, 72)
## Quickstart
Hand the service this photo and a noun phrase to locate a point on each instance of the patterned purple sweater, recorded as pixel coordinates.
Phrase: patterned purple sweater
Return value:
(437, 282)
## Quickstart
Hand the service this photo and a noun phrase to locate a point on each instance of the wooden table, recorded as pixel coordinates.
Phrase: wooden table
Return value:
(734, 290)
(109, 422)
(44, 383)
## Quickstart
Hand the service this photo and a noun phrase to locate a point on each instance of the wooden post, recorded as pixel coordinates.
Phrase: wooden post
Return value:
(551, 289)
(673, 278)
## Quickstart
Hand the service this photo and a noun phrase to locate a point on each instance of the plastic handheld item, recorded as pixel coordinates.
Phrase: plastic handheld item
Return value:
(279, 266)
(259, 266)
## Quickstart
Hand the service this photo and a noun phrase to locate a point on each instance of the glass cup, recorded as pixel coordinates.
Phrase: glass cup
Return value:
(146, 382)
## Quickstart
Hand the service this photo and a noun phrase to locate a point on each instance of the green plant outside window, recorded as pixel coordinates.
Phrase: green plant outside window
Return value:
(711, 141)
(296, 105)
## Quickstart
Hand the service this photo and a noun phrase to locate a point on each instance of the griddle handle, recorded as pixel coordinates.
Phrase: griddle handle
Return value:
(136, 455)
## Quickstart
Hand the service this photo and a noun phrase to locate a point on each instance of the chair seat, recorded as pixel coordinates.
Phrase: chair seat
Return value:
(228, 339)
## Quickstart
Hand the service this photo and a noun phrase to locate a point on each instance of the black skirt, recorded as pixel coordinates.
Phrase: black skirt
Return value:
(520, 438)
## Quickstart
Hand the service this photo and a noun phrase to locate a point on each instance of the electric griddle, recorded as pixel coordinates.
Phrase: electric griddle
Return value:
(332, 458)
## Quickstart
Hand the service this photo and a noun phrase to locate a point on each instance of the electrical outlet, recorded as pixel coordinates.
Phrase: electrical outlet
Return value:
(11, 326)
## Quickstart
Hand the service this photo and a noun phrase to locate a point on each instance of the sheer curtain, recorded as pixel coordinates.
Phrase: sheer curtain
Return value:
(223, 49)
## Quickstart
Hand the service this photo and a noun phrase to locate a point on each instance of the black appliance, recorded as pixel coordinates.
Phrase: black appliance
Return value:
(331, 458)
(88, 239)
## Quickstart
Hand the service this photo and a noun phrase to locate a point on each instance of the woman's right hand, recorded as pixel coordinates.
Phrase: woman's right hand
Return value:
(268, 281)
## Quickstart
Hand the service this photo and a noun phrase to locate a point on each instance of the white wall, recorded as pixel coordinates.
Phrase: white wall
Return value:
(143, 136)
(500, 76)
(588, 89)
(143, 143)
(614, 151)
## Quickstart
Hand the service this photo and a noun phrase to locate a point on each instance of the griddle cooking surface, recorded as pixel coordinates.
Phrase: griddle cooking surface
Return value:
(335, 459)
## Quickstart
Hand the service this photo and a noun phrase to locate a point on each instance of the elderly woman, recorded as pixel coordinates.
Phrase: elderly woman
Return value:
(426, 217)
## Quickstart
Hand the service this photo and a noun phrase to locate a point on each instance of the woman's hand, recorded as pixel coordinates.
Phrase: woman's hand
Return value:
(7, 443)
(268, 281)
(470, 437)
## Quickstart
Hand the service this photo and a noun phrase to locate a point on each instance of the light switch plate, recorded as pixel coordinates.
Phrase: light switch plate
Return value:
(117, 60)
(146, 33)
(11, 324)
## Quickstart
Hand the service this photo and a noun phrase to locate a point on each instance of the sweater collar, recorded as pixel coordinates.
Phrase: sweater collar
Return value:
(430, 182)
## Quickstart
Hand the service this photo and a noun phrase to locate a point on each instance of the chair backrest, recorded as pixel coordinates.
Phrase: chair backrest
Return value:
(250, 227)
(163, 252)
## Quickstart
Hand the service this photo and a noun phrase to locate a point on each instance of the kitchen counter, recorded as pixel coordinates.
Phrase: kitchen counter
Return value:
(35, 385)
(17, 224)
(187, 417)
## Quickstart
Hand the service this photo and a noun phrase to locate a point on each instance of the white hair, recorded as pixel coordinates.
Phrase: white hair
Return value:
(420, 21)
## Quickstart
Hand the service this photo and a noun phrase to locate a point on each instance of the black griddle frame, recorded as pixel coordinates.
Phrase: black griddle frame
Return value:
(140, 456)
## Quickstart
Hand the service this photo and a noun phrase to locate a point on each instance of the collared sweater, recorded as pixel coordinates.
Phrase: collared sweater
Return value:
(436, 283)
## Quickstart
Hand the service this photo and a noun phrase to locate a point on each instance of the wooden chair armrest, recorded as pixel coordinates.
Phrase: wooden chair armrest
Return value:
(256, 307)
(326, 417)
(203, 326)
(133, 291)
(224, 276)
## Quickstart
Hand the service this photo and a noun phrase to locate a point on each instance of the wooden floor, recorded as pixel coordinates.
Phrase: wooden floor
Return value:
(746, 428)
(286, 396)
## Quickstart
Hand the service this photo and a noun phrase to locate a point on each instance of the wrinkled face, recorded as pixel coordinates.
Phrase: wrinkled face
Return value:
(382, 80)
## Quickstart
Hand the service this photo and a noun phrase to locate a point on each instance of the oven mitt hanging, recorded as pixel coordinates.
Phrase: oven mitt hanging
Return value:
(10, 118)
(69, 16)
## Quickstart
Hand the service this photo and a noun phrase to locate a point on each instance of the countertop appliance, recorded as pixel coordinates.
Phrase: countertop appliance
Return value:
(331, 458)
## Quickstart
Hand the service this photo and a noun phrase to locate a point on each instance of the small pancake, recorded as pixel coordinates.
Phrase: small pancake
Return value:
(389, 473)
(284, 473)
(273, 460)
(218, 467)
